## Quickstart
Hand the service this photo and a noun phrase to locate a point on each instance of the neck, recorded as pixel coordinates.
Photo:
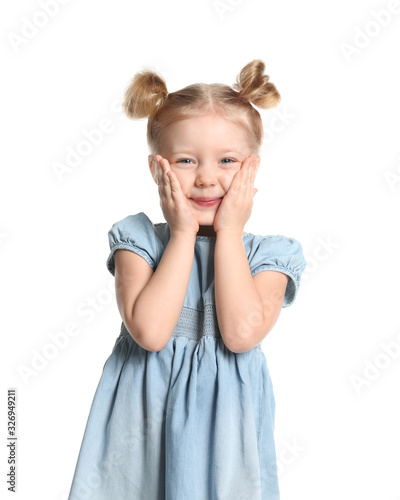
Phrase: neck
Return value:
(209, 231)
(206, 231)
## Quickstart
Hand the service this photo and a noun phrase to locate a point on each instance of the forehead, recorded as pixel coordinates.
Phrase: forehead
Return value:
(211, 131)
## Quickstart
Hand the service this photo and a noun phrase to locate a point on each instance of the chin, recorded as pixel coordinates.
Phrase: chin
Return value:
(205, 221)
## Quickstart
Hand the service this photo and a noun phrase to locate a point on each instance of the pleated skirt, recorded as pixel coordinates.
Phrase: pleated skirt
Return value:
(193, 421)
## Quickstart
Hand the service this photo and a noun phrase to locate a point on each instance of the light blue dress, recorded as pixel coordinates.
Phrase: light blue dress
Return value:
(194, 421)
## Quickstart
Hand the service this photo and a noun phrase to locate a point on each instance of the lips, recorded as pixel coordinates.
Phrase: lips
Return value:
(206, 202)
(205, 199)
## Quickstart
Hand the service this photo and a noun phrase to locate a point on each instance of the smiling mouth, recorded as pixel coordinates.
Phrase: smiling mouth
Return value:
(206, 199)
(206, 202)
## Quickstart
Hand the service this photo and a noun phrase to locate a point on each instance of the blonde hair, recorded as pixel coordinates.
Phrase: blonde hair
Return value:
(147, 95)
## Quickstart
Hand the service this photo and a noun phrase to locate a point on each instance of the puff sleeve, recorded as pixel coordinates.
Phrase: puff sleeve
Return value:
(283, 254)
(135, 233)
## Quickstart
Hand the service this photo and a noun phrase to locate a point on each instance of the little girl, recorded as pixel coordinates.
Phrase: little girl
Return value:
(185, 409)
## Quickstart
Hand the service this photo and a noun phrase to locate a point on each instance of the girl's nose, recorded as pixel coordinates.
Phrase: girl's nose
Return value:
(205, 175)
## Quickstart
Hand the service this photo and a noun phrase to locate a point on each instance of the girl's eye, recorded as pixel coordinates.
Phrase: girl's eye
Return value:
(186, 161)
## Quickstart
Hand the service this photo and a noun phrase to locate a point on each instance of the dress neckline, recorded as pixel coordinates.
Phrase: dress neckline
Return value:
(212, 238)
(208, 238)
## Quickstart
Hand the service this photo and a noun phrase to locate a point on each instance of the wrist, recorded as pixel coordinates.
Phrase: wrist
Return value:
(183, 235)
(234, 233)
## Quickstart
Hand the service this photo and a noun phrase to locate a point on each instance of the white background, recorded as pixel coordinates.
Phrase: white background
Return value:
(329, 177)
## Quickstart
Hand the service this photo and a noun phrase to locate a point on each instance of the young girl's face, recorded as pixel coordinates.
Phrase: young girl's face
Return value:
(205, 152)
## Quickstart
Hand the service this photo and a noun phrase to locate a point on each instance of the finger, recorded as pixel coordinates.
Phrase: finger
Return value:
(166, 178)
(249, 160)
(236, 180)
(174, 183)
(251, 176)
(247, 172)
(248, 188)
(176, 188)
(166, 167)
(157, 169)
(254, 167)
(245, 165)
(160, 169)
(248, 166)
(162, 180)
(254, 161)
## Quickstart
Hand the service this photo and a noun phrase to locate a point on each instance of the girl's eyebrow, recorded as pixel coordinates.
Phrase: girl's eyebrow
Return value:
(229, 151)
(221, 151)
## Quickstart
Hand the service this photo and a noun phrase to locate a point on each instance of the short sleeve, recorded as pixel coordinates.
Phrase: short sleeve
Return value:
(136, 233)
(283, 254)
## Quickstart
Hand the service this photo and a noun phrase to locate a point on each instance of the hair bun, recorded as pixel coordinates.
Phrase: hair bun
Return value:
(145, 92)
(253, 85)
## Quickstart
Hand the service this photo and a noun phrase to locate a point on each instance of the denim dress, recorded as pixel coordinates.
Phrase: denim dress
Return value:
(193, 421)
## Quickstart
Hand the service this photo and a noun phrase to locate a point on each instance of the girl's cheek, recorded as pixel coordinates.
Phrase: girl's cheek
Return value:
(229, 179)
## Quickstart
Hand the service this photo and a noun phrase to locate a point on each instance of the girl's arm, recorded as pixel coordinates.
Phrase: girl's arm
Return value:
(247, 307)
(150, 303)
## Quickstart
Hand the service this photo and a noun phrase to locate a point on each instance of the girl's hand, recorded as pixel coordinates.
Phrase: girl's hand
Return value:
(174, 204)
(235, 208)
